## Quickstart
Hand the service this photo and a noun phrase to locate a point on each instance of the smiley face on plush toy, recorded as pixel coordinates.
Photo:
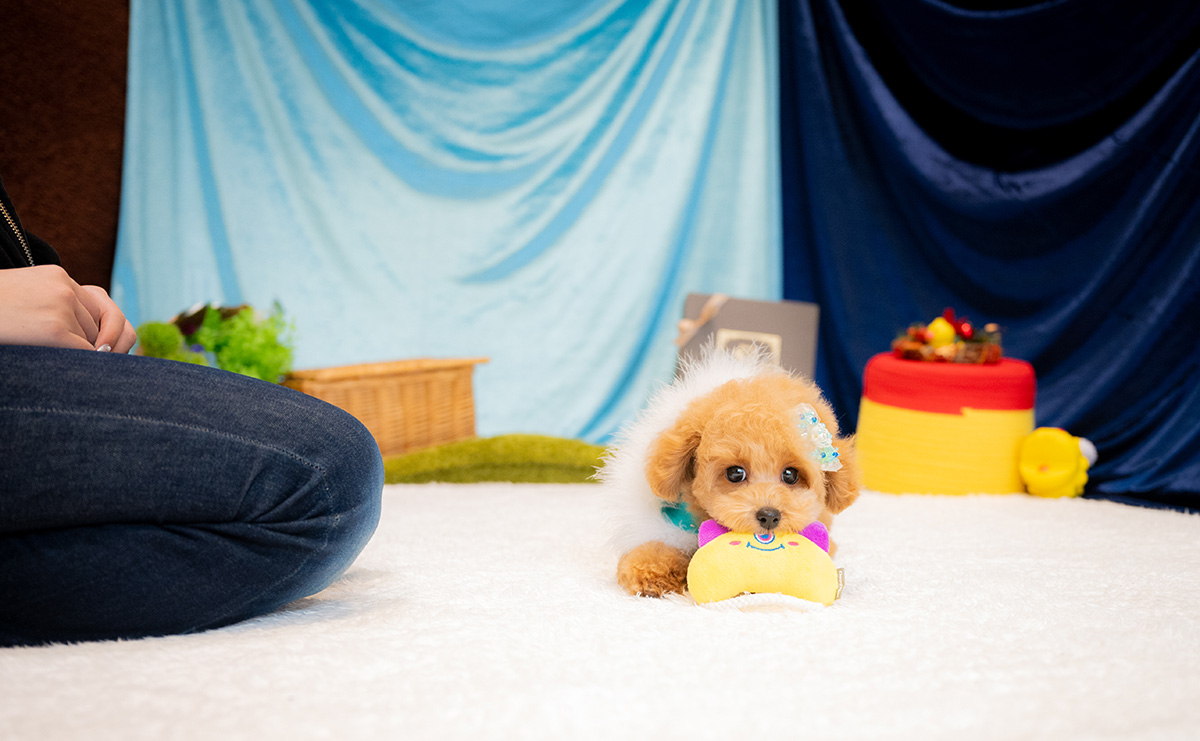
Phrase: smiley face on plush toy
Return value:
(766, 542)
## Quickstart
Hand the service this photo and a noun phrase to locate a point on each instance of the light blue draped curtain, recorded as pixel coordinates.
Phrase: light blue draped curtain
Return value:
(537, 183)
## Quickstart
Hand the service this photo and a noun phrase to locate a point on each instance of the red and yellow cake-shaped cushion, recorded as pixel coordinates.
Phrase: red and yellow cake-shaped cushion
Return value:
(944, 428)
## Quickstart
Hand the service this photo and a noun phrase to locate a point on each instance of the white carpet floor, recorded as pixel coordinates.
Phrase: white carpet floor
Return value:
(1002, 617)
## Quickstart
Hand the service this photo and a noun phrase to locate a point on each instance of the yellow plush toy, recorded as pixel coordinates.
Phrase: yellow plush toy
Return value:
(1054, 463)
(729, 564)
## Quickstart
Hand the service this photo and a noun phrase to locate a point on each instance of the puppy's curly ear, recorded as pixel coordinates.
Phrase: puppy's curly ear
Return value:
(842, 486)
(670, 464)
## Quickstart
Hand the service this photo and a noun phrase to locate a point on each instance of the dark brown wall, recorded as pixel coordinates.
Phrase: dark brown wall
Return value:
(62, 113)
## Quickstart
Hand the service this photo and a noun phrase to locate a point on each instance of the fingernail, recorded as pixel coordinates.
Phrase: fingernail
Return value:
(104, 348)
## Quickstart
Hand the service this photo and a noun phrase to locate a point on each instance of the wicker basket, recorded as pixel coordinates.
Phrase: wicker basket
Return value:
(406, 404)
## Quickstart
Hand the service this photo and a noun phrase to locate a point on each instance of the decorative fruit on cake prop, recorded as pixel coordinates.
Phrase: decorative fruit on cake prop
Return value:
(949, 339)
(729, 564)
(1054, 463)
(940, 333)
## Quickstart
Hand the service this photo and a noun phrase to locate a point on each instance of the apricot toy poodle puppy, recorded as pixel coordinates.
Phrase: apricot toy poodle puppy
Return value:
(734, 439)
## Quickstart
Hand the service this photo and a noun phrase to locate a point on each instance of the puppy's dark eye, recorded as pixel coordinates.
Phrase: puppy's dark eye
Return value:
(736, 474)
(790, 476)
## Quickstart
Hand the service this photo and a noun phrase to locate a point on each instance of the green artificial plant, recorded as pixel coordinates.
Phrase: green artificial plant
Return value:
(235, 339)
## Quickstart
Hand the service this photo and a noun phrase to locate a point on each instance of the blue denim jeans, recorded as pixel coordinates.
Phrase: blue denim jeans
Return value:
(143, 497)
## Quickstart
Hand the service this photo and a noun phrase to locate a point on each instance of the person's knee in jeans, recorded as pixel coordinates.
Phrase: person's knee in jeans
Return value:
(335, 513)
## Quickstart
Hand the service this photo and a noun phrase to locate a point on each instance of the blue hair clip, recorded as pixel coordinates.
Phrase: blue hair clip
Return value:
(814, 430)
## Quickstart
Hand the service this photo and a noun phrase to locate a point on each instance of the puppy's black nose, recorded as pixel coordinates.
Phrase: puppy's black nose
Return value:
(768, 517)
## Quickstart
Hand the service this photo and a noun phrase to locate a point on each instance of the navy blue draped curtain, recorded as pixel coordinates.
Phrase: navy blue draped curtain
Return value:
(1033, 164)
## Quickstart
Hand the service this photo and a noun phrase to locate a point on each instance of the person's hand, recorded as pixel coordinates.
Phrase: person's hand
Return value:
(115, 332)
(42, 305)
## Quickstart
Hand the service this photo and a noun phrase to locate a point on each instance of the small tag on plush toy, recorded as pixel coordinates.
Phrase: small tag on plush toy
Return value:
(841, 584)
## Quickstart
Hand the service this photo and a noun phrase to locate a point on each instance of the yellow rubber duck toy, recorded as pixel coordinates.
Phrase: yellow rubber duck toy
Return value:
(1054, 463)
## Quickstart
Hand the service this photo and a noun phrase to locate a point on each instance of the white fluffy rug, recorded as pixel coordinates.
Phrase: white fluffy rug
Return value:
(963, 618)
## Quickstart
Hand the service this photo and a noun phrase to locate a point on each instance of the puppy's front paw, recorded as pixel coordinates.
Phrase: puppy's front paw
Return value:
(653, 569)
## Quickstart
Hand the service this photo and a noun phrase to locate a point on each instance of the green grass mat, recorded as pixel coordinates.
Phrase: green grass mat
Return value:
(521, 458)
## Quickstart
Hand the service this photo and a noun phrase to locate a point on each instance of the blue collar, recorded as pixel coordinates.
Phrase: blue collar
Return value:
(678, 514)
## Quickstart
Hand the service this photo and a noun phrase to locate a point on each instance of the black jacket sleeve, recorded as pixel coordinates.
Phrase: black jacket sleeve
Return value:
(43, 253)
(14, 239)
